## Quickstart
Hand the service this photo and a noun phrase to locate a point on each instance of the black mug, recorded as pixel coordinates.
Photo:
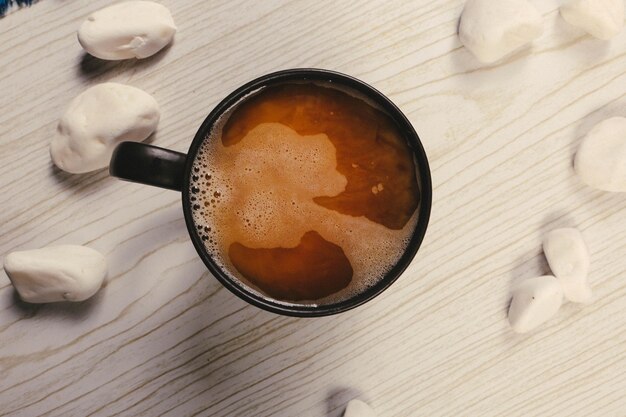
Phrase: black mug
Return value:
(164, 168)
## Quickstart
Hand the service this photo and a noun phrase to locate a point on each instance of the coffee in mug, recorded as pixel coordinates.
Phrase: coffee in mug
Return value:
(305, 191)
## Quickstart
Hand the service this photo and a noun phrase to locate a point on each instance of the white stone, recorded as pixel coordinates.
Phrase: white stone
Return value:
(601, 158)
(99, 119)
(603, 19)
(131, 29)
(492, 29)
(56, 273)
(535, 301)
(568, 258)
(357, 408)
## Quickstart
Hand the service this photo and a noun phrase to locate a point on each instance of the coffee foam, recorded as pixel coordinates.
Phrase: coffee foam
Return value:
(259, 193)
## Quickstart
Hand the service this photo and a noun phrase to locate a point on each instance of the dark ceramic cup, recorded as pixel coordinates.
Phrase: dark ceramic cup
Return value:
(164, 168)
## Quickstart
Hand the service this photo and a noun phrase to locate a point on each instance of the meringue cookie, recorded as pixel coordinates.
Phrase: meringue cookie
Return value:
(601, 159)
(568, 258)
(56, 273)
(357, 408)
(99, 119)
(132, 29)
(603, 19)
(492, 29)
(535, 301)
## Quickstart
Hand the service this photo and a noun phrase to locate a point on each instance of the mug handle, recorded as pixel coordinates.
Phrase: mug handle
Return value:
(147, 164)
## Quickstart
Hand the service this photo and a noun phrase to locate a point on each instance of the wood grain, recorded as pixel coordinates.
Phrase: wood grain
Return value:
(165, 339)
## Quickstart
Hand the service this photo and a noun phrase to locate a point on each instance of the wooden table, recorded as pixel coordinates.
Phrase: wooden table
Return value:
(163, 338)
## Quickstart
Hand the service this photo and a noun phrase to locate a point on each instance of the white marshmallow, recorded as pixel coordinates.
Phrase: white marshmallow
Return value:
(99, 119)
(568, 258)
(535, 301)
(492, 29)
(601, 158)
(357, 408)
(603, 19)
(56, 273)
(132, 29)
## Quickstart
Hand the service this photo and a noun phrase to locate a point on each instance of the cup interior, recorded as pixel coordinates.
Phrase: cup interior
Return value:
(422, 172)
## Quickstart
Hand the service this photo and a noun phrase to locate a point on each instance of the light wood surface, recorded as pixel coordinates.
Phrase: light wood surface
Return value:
(163, 338)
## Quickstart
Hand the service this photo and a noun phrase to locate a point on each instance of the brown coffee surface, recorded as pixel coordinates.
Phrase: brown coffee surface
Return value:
(312, 270)
(305, 192)
(370, 150)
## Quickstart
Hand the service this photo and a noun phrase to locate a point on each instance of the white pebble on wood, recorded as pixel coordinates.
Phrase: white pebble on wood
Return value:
(534, 302)
(492, 29)
(131, 29)
(56, 273)
(568, 258)
(601, 158)
(603, 19)
(97, 120)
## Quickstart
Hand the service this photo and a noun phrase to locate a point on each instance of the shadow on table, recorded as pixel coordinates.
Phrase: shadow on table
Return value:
(337, 399)
(88, 181)
(21, 311)
(611, 109)
(79, 183)
(91, 67)
(57, 311)
(242, 361)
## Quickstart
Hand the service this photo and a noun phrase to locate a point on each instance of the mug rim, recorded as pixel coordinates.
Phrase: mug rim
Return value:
(425, 185)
